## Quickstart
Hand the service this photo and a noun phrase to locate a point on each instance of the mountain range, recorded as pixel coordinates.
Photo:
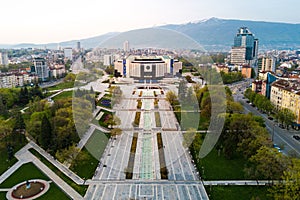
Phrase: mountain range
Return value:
(213, 34)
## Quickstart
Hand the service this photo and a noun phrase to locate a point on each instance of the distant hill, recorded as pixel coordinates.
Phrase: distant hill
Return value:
(212, 34)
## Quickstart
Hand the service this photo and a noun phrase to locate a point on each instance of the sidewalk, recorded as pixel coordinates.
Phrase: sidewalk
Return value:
(57, 164)
(24, 156)
(10, 171)
(240, 182)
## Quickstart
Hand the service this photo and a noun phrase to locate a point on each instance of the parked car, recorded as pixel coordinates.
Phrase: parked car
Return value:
(277, 147)
(270, 118)
(297, 137)
(281, 126)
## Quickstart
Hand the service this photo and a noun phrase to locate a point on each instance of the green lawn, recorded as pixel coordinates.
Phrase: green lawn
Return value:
(79, 188)
(2, 195)
(237, 192)
(189, 120)
(4, 162)
(54, 193)
(219, 168)
(97, 144)
(85, 164)
(63, 85)
(63, 95)
(30, 171)
(25, 172)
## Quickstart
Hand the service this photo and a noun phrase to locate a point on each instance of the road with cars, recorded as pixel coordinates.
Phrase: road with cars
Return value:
(284, 140)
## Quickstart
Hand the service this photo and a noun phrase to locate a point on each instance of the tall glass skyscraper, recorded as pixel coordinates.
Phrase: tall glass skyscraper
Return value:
(244, 39)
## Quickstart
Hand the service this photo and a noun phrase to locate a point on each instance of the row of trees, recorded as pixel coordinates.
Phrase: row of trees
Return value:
(284, 115)
(231, 77)
(244, 135)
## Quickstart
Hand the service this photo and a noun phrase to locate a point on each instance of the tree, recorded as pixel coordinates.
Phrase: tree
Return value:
(112, 120)
(234, 107)
(6, 128)
(286, 116)
(268, 164)
(3, 108)
(289, 117)
(115, 132)
(290, 187)
(171, 97)
(70, 77)
(19, 121)
(46, 133)
(68, 154)
(242, 133)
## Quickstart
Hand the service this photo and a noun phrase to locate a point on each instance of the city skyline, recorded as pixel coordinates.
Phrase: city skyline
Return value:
(31, 22)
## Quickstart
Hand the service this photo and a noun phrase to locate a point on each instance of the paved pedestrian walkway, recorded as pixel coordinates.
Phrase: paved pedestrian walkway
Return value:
(25, 156)
(10, 171)
(240, 182)
(57, 164)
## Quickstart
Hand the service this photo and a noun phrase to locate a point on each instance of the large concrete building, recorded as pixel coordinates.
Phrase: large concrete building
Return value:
(238, 55)
(148, 67)
(245, 48)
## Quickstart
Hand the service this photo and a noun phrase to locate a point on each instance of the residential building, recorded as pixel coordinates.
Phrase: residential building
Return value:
(16, 79)
(257, 86)
(268, 64)
(286, 94)
(126, 46)
(107, 60)
(246, 71)
(68, 53)
(3, 58)
(221, 68)
(41, 69)
(57, 71)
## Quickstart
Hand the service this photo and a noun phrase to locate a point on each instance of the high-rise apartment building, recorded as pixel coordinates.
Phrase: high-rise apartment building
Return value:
(3, 58)
(78, 46)
(126, 46)
(245, 48)
(41, 69)
(68, 52)
(268, 64)
(107, 60)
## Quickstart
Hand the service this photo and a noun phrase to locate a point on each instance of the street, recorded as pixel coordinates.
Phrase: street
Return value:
(281, 137)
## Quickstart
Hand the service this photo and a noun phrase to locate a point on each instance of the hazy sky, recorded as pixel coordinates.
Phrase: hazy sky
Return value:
(42, 21)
